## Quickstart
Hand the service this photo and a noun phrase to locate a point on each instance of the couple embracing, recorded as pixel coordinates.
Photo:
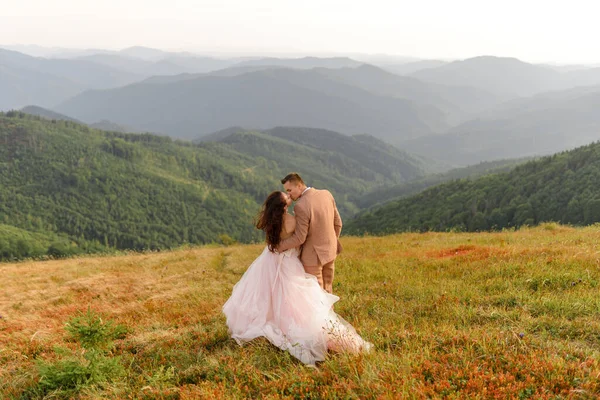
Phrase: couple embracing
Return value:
(286, 293)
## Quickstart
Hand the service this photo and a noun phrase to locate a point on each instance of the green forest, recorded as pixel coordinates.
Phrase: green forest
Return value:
(563, 188)
(385, 194)
(66, 188)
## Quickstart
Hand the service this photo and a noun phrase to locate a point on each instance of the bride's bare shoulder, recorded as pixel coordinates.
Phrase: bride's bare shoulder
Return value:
(289, 222)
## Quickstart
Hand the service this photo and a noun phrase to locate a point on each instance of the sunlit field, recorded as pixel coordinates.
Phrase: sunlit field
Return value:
(503, 315)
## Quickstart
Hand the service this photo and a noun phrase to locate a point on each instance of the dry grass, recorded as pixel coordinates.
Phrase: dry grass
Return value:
(490, 315)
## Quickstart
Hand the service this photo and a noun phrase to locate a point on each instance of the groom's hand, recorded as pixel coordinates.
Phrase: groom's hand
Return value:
(301, 231)
(339, 247)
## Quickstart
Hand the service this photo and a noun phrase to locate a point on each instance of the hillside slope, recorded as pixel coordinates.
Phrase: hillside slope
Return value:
(563, 188)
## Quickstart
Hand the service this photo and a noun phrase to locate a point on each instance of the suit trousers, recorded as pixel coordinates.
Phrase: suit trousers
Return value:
(324, 274)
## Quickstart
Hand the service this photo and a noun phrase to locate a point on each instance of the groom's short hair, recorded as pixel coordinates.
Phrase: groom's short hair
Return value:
(292, 177)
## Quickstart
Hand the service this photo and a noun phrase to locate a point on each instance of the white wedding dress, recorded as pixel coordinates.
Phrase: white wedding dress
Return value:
(276, 299)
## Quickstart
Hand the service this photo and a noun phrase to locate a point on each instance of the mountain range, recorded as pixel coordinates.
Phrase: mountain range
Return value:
(457, 113)
(507, 76)
(263, 99)
(543, 124)
(26, 80)
(458, 125)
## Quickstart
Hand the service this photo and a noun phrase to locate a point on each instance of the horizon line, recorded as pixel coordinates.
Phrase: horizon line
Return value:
(232, 53)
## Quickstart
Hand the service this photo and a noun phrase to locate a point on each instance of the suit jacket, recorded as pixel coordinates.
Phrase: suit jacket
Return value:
(318, 228)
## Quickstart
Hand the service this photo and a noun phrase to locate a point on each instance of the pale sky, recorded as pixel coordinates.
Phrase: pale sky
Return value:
(531, 30)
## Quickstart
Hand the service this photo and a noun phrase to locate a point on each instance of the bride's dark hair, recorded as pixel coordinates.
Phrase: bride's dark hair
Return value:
(270, 219)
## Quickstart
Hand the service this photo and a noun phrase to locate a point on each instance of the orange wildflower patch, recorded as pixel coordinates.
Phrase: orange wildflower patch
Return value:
(471, 252)
(452, 252)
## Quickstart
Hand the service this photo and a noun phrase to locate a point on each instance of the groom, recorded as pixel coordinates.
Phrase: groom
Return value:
(318, 227)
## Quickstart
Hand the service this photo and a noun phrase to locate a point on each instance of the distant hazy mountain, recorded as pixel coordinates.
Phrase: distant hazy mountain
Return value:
(567, 68)
(106, 125)
(144, 53)
(53, 52)
(122, 62)
(48, 114)
(104, 69)
(170, 65)
(507, 76)
(456, 102)
(280, 97)
(162, 79)
(198, 64)
(222, 134)
(20, 87)
(33, 50)
(240, 70)
(302, 63)
(85, 73)
(382, 59)
(543, 124)
(411, 67)
(226, 72)
(31, 80)
(583, 77)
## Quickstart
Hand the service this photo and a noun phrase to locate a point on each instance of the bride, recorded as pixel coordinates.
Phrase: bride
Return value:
(276, 299)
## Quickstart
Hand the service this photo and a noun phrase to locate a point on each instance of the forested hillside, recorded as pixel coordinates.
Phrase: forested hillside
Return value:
(331, 160)
(563, 188)
(384, 194)
(122, 191)
(69, 188)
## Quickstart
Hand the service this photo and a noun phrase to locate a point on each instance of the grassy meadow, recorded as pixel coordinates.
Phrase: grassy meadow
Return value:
(514, 314)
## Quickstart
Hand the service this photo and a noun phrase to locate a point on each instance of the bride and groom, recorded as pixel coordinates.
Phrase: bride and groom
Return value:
(285, 294)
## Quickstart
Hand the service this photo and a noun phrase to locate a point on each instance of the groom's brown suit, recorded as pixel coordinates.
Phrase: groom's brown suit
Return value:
(318, 228)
